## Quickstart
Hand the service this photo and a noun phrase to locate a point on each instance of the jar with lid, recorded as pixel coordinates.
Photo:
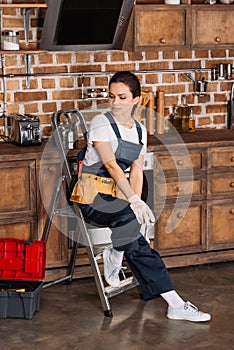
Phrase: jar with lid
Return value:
(10, 40)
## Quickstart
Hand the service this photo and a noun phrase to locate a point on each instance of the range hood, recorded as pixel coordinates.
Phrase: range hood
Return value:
(80, 25)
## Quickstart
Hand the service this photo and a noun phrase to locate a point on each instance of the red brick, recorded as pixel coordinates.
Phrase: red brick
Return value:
(100, 56)
(219, 119)
(31, 108)
(117, 56)
(63, 58)
(65, 95)
(30, 96)
(67, 82)
(67, 105)
(48, 83)
(49, 107)
(185, 54)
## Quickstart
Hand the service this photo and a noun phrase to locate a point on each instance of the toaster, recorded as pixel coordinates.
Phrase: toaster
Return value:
(25, 130)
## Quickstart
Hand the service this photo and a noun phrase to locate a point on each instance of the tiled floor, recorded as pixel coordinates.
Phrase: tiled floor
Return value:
(71, 317)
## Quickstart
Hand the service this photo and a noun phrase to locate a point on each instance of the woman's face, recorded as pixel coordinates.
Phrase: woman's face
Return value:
(121, 100)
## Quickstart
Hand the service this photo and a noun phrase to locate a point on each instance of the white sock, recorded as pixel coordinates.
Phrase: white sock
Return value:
(173, 299)
(116, 257)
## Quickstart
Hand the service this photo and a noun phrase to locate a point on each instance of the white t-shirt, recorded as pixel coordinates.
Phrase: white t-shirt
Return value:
(101, 130)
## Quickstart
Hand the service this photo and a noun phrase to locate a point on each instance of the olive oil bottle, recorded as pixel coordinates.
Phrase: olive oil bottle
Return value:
(184, 111)
(192, 127)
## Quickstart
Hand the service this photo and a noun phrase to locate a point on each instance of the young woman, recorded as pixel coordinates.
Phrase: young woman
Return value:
(106, 197)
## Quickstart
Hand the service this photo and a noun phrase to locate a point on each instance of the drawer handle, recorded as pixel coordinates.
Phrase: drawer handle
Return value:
(232, 211)
(180, 189)
(232, 159)
(180, 162)
(51, 169)
(179, 215)
(217, 39)
(162, 41)
(232, 184)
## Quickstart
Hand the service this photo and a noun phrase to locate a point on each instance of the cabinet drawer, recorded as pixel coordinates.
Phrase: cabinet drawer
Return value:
(221, 157)
(174, 189)
(221, 184)
(180, 230)
(205, 33)
(221, 224)
(178, 162)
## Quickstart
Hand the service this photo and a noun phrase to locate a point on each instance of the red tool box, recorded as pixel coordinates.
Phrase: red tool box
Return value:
(22, 269)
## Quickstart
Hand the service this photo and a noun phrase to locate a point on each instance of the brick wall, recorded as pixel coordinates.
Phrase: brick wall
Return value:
(59, 78)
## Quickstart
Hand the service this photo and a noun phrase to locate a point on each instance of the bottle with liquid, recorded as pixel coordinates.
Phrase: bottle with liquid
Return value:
(175, 119)
(192, 127)
(184, 111)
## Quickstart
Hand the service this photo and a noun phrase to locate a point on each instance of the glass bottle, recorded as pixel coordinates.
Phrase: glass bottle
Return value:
(191, 121)
(184, 111)
(175, 119)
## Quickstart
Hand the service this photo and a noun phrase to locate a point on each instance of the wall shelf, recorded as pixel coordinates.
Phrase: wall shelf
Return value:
(23, 6)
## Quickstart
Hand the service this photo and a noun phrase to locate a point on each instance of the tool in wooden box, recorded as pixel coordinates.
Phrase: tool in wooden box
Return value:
(84, 233)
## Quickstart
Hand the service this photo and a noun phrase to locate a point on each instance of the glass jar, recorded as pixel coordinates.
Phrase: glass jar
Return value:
(10, 40)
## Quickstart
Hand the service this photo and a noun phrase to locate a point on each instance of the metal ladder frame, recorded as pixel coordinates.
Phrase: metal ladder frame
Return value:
(81, 229)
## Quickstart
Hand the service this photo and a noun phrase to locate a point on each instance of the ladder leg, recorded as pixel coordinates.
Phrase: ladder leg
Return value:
(83, 232)
(51, 211)
(72, 262)
(99, 283)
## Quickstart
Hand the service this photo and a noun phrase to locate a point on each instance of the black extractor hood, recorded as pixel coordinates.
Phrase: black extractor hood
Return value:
(79, 25)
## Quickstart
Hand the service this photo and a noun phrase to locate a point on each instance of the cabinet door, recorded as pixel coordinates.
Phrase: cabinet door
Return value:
(221, 224)
(18, 217)
(22, 228)
(157, 26)
(56, 247)
(180, 230)
(212, 26)
(18, 188)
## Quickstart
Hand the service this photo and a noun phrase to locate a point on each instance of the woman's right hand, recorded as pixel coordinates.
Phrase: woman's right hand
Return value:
(144, 214)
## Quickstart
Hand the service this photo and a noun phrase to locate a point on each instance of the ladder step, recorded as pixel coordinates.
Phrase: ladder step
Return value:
(67, 211)
(125, 284)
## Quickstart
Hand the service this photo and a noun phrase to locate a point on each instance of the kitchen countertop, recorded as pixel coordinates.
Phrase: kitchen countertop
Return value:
(199, 138)
(10, 152)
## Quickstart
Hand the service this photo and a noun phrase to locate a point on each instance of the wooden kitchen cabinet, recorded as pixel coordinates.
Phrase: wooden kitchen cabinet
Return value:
(220, 197)
(180, 189)
(212, 26)
(158, 26)
(24, 198)
(191, 24)
(195, 210)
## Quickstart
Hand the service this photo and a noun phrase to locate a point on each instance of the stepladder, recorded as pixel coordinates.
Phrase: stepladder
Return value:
(93, 238)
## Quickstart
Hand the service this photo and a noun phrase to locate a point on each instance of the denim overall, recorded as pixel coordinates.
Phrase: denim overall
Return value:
(145, 263)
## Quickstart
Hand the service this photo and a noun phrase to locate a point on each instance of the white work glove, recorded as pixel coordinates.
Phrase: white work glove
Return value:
(143, 213)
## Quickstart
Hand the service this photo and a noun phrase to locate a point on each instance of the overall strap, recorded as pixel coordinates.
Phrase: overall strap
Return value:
(116, 129)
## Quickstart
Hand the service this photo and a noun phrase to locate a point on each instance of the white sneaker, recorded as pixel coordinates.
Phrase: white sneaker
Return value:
(111, 271)
(188, 312)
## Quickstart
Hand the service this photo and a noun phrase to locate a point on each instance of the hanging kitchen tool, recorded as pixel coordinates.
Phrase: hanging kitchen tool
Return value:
(200, 85)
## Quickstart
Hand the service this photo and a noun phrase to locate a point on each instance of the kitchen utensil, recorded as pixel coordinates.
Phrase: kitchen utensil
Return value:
(200, 85)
